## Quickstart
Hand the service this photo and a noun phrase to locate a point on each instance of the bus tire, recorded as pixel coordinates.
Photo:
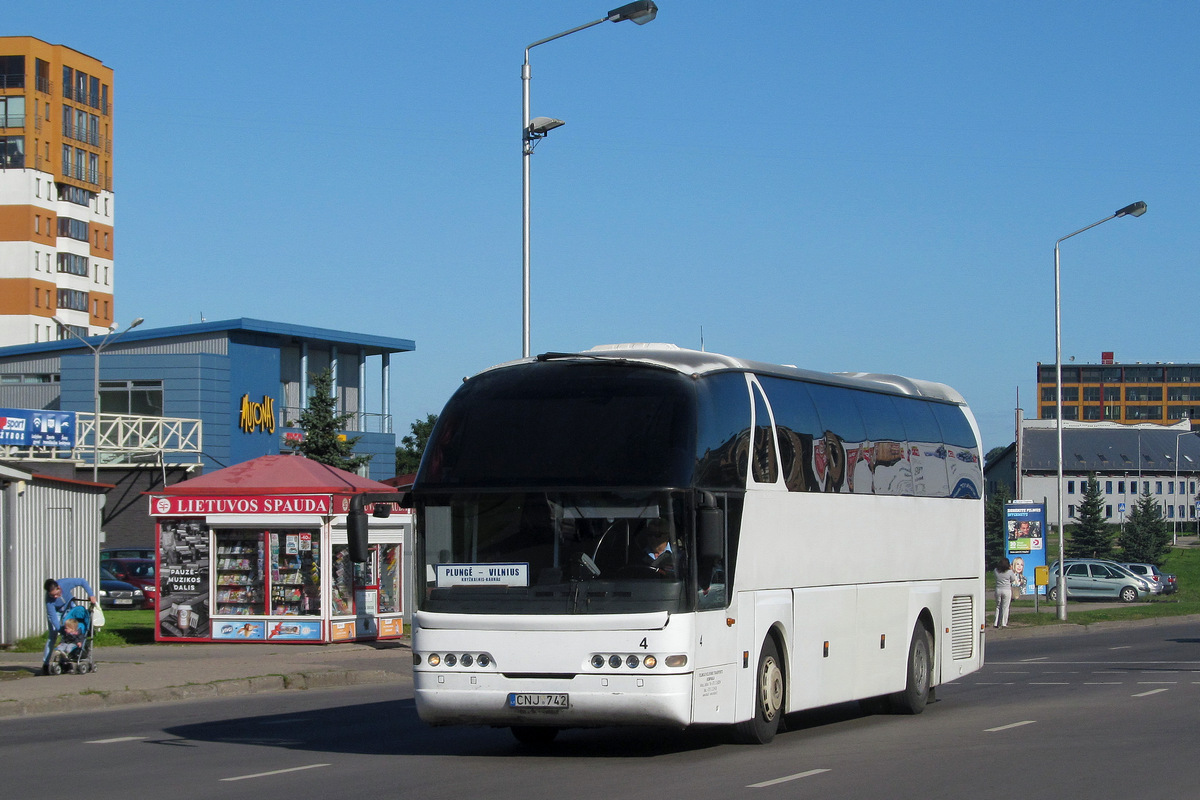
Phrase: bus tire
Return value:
(919, 675)
(534, 735)
(769, 694)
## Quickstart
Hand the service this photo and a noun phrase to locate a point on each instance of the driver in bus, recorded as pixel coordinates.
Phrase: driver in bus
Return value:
(659, 556)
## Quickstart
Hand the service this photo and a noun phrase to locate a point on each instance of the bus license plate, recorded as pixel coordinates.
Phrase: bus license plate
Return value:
(539, 701)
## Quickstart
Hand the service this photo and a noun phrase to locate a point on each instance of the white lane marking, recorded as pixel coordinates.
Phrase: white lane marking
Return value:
(1013, 725)
(1049, 683)
(116, 739)
(1102, 683)
(1122, 647)
(1157, 683)
(1039, 658)
(1152, 691)
(787, 778)
(274, 772)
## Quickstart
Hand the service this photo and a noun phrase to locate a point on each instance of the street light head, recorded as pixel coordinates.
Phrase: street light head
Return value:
(1132, 210)
(136, 322)
(640, 12)
(540, 126)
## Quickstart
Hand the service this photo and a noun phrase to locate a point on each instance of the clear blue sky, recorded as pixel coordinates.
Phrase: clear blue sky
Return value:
(846, 187)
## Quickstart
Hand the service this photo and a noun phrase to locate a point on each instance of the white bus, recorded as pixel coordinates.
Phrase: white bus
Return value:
(820, 539)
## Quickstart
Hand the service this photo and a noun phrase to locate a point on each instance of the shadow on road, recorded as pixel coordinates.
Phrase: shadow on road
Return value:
(393, 728)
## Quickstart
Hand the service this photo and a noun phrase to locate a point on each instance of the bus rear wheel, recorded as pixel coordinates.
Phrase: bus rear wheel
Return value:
(533, 735)
(769, 694)
(919, 675)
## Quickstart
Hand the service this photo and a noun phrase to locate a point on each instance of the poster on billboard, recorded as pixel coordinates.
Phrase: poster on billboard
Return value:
(1025, 542)
(183, 607)
(22, 427)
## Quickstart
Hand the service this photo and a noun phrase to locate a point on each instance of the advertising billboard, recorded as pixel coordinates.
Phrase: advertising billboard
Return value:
(23, 427)
(1025, 542)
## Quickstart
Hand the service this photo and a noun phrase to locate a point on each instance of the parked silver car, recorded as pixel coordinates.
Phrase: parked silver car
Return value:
(1096, 579)
(1150, 573)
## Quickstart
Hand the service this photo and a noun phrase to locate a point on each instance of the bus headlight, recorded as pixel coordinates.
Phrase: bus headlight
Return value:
(597, 661)
(451, 659)
(434, 659)
(676, 661)
(650, 662)
(632, 662)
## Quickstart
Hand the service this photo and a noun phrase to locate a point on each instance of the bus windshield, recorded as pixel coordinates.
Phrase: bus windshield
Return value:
(555, 424)
(544, 552)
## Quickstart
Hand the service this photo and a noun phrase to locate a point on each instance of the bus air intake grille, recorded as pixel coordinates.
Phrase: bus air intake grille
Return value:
(962, 626)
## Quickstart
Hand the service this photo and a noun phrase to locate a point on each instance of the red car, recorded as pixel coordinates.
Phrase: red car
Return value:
(137, 571)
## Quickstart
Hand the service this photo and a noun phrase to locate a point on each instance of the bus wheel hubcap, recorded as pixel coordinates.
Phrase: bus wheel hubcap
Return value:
(770, 688)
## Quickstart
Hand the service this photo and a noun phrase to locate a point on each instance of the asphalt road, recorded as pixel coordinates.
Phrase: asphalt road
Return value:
(1102, 715)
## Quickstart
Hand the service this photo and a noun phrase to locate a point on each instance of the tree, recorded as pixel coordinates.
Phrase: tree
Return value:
(1090, 537)
(1146, 535)
(994, 533)
(995, 452)
(323, 438)
(408, 457)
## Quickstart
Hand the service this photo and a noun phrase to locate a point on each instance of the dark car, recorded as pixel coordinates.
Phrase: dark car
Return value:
(137, 571)
(118, 594)
(1170, 583)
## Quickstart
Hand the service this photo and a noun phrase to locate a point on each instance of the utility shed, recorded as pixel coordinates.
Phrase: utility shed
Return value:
(49, 528)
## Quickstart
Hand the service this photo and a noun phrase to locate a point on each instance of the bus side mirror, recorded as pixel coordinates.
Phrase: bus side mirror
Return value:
(356, 535)
(710, 528)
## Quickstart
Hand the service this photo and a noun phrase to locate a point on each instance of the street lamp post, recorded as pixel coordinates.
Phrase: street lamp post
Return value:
(1131, 210)
(96, 349)
(532, 130)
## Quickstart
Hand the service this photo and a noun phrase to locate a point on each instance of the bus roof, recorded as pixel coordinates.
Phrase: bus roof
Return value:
(698, 362)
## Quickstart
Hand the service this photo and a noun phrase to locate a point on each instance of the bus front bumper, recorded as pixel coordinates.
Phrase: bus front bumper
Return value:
(445, 697)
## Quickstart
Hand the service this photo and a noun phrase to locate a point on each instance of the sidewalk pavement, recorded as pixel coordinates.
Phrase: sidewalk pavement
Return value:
(166, 672)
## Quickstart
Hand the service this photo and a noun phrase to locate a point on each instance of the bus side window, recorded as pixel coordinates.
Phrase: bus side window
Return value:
(798, 426)
(927, 451)
(844, 433)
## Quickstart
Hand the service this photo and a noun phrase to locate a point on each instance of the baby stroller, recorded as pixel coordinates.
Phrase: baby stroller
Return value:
(73, 654)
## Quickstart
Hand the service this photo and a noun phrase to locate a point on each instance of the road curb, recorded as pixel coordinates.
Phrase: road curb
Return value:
(92, 700)
(1077, 629)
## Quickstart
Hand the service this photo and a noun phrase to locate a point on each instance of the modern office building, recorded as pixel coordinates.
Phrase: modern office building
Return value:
(1159, 393)
(56, 192)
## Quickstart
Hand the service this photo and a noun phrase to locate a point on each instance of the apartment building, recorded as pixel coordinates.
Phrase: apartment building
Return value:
(56, 198)
(1128, 393)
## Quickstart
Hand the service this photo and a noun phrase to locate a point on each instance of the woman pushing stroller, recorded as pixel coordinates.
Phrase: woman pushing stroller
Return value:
(60, 600)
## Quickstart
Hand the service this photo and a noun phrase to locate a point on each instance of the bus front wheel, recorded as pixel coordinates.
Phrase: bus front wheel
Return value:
(769, 697)
(919, 675)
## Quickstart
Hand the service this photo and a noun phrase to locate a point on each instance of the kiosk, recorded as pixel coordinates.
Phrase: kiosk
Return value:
(257, 552)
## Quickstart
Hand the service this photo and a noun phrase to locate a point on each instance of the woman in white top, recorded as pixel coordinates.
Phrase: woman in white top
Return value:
(1005, 578)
